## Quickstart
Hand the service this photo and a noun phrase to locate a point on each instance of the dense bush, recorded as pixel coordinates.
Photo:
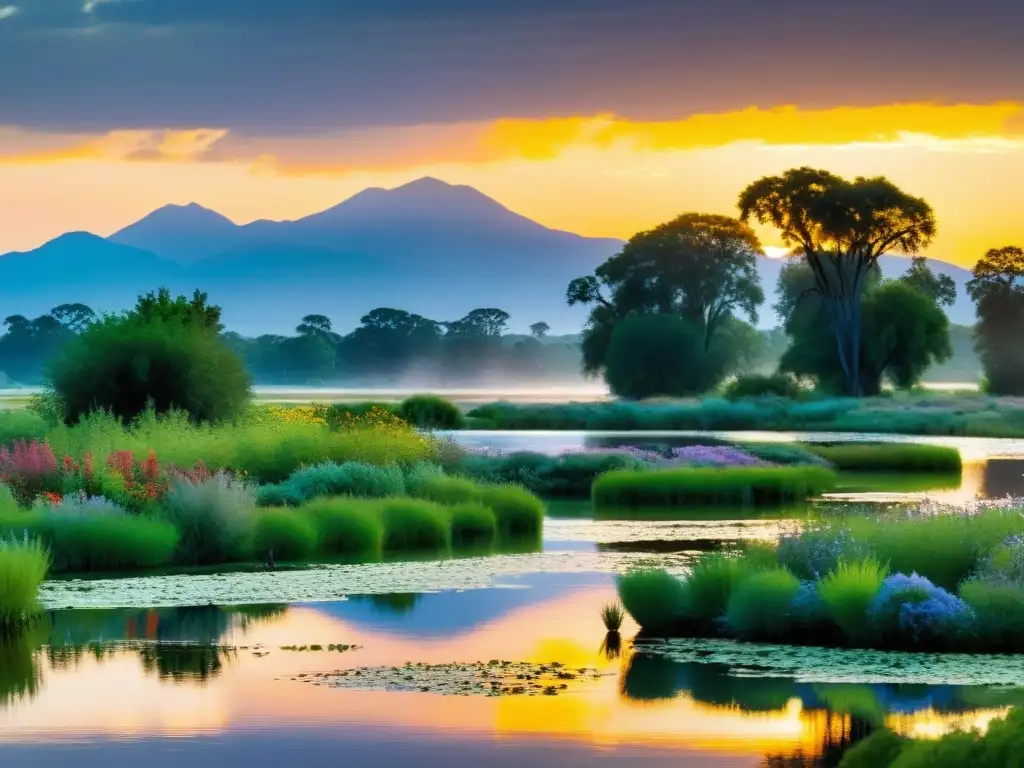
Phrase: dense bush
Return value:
(759, 605)
(81, 544)
(347, 527)
(21, 424)
(999, 612)
(711, 584)
(848, 593)
(913, 610)
(472, 524)
(214, 517)
(709, 485)
(653, 598)
(411, 524)
(890, 457)
(761, 385)
(431, 412)
(23, 567)
(284, 535)
(651, 355)
(351, 478)
(518, 512)
(126, 364)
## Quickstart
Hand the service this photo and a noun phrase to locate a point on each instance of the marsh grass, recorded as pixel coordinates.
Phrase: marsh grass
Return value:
(655, 599)
(472, 524)
(415, 524)
(686, 486)
(23, 567)
(710, 585)
(759, 605)
(347, 527)
(848, 591)
(98, 544)
(215, 518)
(284, 534)
(570, 475)
(517, 511)
(352, 478)
(890, 457)
(612, 615)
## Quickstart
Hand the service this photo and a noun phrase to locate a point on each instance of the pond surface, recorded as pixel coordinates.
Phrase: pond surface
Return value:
(342, 663)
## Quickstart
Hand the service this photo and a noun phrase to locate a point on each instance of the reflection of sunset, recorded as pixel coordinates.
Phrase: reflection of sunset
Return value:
(115, 698)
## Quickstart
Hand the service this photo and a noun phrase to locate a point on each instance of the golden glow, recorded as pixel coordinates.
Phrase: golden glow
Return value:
(598, 175)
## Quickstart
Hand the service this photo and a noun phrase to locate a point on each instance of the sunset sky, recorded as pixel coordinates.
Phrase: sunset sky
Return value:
(602, 117)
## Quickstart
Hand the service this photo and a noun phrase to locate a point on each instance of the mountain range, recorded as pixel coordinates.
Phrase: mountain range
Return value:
(428, 247)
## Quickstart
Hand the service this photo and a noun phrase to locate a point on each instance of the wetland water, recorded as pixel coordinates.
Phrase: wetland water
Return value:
(209, 668)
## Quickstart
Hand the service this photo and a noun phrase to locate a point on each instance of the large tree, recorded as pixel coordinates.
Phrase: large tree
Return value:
(998, 294)
(701, 268)
(840, 228)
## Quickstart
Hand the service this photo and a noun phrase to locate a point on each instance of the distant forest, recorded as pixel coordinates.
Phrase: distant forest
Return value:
(392, 347)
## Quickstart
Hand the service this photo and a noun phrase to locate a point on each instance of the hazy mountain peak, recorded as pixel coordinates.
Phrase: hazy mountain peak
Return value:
(182, 233)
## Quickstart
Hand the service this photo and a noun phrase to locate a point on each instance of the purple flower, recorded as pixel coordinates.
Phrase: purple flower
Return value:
(714, 455)
(917, 609)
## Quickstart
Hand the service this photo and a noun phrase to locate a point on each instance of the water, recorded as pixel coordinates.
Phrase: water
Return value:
(182, 669)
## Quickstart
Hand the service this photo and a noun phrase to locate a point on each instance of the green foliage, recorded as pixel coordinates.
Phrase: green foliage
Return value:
(999, 611)
(347, 527)
(890, 457)
(848, 591)
(711, 584)
(413, 524)
(279, 495)
(878, 750)
(651, 355)
(284, 535)
(23, 567)
(447, 490)
(348, 479)
(999, 297)
(518, 512)
(127, 364)
(655, 599)
(430, 412)
(97, 544)
(761, 385)
(758, 607)
(472, 524)
(568, 475)
(686, 486)
(215, 518)
(21, 424)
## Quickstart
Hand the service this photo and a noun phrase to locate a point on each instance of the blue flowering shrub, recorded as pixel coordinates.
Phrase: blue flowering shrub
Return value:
(911, 611)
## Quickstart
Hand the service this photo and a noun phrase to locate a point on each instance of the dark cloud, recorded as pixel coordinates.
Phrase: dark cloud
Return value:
(285, 66)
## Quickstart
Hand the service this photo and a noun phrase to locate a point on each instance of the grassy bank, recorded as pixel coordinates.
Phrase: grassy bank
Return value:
(23, 567)
(890, 457)
(941, 580)
(931, 414)
(686, 486)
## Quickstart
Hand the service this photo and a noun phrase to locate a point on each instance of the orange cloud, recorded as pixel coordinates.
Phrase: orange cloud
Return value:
(151, 145)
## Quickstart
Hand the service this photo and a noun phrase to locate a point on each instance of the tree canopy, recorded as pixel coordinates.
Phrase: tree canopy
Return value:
(998, 295)
(840, 228)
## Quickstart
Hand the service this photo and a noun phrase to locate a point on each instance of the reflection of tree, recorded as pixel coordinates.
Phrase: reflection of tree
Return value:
(399, 603)
(19, 672)
(193, 663)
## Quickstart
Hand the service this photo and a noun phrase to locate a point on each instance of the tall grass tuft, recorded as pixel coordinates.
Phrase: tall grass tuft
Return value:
(655, 599)
(283, 534)
(612, 615)
(415, 524)
(848, 592)
(472, 524)
(711, 584)
(749, 486)
(347, 527)
(518, 512)
(759, 605)
(23, 567)
(215, 518)
(891, 457)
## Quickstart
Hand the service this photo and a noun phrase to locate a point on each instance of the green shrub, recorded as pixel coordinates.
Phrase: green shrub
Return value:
(999, 612)
(878, 750)
(214, 517)
(23, 567)
(783, 453)
(759, 605)
(518, 512)
(472, 524)
(420, 473)
(279, 495)
(847, 593)
(8, 504)
(348, 479)
(655, 599)
(100, 543)
(284, 535)
(447, 490)
(711, 584)
(890, 457)
(431, 412)
(761, 385)
(125, 364)
(569, 475)
(347, 527)
(21, 424)
(685, 486)
(414, 524)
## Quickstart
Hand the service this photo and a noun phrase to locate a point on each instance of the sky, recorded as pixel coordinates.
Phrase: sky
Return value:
(602, 117)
